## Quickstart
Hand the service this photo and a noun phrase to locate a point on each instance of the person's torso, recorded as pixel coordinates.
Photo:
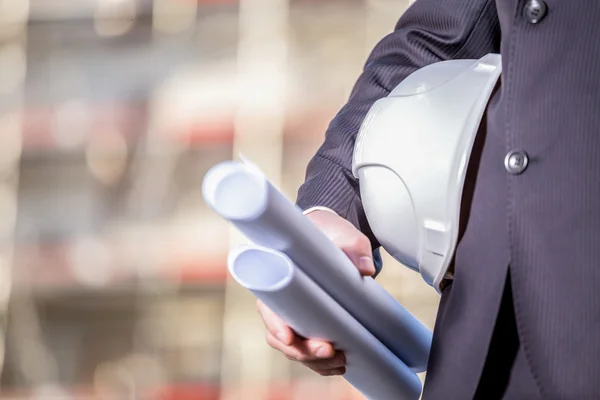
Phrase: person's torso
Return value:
(539, 210)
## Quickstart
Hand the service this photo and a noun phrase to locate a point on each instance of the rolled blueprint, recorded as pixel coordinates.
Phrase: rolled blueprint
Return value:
(370, 367)
(241, 194)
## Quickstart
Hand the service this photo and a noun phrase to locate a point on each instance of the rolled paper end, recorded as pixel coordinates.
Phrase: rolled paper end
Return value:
(235, 191)
(260, 269)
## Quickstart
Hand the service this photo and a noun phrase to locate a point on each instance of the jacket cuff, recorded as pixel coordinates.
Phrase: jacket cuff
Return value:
(327, 185)
(319, 208)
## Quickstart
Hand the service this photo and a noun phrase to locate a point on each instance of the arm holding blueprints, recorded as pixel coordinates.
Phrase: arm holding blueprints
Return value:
(305, 307)
(242, 195)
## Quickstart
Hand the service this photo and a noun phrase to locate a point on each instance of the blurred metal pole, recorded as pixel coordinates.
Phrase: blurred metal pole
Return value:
(247, 362)
(13, 37)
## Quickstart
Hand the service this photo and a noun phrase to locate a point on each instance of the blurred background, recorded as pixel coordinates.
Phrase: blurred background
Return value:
(113, 283)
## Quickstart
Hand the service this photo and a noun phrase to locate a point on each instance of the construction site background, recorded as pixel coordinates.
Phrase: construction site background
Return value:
(113, 282)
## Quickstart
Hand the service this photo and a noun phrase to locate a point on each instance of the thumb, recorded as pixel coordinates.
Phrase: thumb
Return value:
(346, 237)
(359, 251)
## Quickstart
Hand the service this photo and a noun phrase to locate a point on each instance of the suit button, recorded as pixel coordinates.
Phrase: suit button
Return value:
(535, 10)
(516, 161)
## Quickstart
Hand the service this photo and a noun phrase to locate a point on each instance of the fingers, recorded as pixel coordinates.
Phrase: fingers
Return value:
(317, 355)
(281, 337)
(302, 350)
(336, 363)
(275, 326)
(321, 357)
(355, 245)
(346, 237)
(358, 249)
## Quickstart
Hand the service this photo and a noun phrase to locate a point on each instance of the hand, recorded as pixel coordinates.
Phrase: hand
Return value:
(319, 356)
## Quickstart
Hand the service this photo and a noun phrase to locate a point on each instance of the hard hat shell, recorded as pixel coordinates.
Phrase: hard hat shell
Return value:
(411, 156)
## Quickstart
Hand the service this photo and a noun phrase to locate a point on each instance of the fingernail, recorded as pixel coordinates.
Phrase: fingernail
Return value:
(322, 352)
(366, 265)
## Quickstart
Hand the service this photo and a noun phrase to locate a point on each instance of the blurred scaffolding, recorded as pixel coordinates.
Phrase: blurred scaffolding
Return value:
(113, 280)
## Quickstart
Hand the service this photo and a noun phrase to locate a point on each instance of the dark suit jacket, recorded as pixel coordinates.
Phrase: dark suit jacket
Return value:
(544, 223)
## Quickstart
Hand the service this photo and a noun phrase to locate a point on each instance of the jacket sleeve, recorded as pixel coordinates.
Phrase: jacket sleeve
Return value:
(429, 31)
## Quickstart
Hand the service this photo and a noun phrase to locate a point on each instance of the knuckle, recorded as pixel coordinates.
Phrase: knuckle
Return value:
(301, 358)
(270, 344)
(271, 341)
(359, 242)
(295, 356)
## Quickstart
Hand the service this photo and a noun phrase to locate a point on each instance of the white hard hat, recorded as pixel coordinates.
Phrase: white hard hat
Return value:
(411, 157)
